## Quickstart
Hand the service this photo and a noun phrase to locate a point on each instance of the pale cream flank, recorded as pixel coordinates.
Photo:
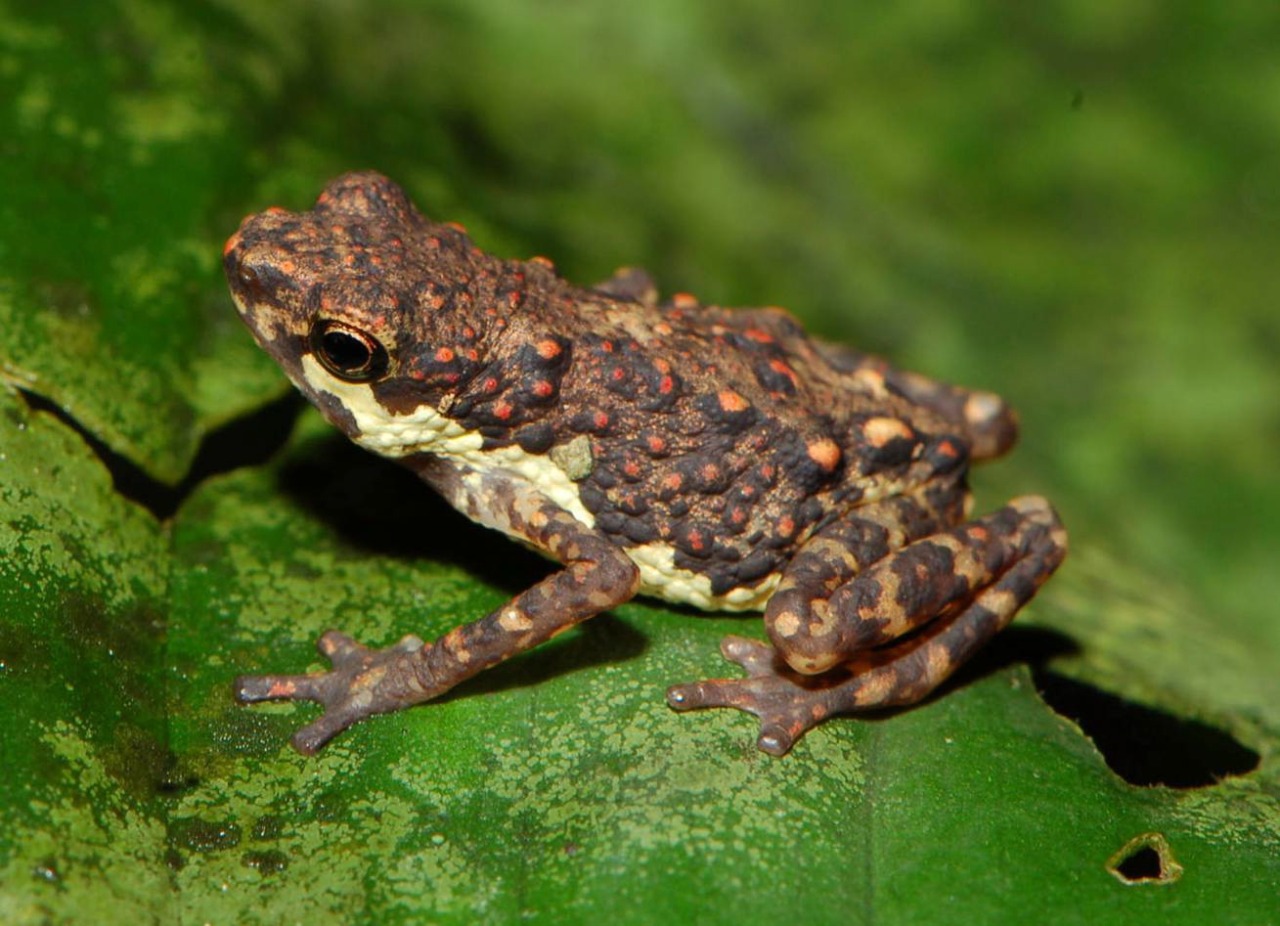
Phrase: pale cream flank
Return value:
(662, 578)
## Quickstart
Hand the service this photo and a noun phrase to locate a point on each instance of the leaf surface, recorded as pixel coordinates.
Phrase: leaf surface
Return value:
(1074, 208)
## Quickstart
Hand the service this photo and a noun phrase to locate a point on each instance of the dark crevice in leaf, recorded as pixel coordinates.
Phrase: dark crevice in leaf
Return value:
(1143, 745)
(245, 441)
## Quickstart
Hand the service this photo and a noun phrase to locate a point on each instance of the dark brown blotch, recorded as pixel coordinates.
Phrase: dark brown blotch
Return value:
(536, 438)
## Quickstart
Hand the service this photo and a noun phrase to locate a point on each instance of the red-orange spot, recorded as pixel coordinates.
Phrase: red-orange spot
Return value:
(710, 472)
(543, 389)
(684, 301)
(759, 335)
(656, 444)
(666, 384)
(825, 452)
(731, 401)
(542, 261)
(490, 384)
(231, 243)
(468, 332)
(549, 349)
(783, 368)
(662, 328)
(673, 482)
(947, 449)
(632, 469)
(472, 354)
(606, 346)
(601, 420)
(503, 411)
(445, 355)
(618, 374)
(786, 526)
(456, 226)
(696, 541)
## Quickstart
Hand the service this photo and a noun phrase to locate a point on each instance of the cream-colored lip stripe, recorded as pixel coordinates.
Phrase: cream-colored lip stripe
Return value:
(422, 430)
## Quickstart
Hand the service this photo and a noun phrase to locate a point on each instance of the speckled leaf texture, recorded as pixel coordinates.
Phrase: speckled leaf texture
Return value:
(1075, 204)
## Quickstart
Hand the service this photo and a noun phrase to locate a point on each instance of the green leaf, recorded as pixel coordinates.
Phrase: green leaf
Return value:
(1075, 207)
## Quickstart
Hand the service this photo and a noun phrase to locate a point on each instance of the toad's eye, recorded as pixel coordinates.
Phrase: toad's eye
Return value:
(348, 353)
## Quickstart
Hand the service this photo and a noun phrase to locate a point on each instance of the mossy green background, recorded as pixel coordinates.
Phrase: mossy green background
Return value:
(1074, 204)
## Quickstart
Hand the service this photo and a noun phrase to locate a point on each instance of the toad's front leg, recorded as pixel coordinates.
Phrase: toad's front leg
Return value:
(889, 635)
(362, 682)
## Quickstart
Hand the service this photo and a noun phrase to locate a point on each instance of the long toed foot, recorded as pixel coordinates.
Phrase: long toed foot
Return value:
(787, 703)
(361, 683)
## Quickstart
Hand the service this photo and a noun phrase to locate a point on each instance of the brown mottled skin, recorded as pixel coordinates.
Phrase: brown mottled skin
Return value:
(747, 453)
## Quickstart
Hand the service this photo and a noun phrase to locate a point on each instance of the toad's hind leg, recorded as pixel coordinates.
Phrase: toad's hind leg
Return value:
(1017, 549)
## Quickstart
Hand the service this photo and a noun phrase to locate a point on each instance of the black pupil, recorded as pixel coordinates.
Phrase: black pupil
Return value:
(346, 351)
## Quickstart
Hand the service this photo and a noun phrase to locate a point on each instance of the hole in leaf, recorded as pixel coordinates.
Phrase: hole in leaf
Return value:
(1145, 859)
(1143, 865)
(1143, 745)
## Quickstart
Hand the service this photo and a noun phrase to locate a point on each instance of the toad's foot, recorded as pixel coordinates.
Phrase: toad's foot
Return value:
(361, 683)
(787, 703)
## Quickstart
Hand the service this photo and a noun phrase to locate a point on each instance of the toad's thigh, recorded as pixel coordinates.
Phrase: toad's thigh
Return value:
(821, 624)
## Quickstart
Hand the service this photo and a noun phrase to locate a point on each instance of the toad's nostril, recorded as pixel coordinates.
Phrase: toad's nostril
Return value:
(252, 282)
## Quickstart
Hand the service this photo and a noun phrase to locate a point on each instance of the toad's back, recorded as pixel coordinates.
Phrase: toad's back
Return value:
(721, 439)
